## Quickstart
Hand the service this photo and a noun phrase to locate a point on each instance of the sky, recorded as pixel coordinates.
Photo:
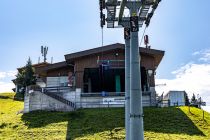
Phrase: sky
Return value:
(180, 28)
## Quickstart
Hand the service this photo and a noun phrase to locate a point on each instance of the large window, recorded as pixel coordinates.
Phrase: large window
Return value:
(108, 80)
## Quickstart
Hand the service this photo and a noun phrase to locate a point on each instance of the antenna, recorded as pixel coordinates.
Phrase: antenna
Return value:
(51, 60)
(38, 60)
(44, 51)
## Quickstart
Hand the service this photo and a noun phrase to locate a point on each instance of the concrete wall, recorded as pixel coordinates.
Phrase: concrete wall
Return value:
(153, 96)
(35, 100)
(110, 101)
(39, 101)
(101, 101)
(73, 96)
(26, 103)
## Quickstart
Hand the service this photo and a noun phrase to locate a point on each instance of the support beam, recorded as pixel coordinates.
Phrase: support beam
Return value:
(122, 7)
(139, 11)
(127, 87)
(136, 109)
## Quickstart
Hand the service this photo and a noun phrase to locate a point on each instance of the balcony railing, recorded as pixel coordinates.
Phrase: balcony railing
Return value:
(107, 94)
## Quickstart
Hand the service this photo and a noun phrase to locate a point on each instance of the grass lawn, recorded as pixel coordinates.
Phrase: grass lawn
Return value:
(99, 124)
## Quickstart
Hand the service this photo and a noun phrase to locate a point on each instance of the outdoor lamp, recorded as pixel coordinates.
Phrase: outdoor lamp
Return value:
(150, 72)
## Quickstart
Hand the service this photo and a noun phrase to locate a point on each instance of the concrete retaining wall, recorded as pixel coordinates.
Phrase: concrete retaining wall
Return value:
(39, 101)
(109, 101)
(153, 96)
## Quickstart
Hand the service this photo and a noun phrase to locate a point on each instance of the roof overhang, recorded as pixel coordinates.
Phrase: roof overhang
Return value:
(157, 54)
(51, 67)
(39, 65)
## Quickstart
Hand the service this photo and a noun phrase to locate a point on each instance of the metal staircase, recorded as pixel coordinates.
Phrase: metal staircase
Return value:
(61, 99)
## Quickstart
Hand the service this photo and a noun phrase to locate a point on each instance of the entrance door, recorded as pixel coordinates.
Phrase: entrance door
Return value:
(117, 83)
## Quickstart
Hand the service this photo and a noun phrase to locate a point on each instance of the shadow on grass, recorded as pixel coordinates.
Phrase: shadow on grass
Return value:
(90, 121)
(169, 120)
(19, 97)
(80, 123)
(38, 119)
(95, 121)
(5, 97)
(16, 97)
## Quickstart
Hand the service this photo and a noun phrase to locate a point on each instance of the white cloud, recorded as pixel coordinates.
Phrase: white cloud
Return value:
(203, 54)
(196, 53)
(2, 75)
(193, 78)
(182, 70)
(6, 87)
(11, 73)
(7, 74)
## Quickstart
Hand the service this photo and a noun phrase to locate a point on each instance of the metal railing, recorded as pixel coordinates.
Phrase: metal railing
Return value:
(107, 94)
(59, 98)
(60, 89)
(51, 92)
(107, 104)
(168, 103)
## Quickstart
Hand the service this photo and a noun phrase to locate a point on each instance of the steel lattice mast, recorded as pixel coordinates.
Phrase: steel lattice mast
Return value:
(132, 15)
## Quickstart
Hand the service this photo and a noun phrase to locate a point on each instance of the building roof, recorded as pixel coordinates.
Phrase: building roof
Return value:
(52, 66)
(157, 54)
(43, 64)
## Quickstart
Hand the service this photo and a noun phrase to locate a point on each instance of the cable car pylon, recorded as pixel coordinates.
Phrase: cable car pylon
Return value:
(132, 16)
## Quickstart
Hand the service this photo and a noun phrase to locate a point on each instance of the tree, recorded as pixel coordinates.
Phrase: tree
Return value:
(187, 102)
(20, 78)
(26, 77)
(193, 99)
(29, 77)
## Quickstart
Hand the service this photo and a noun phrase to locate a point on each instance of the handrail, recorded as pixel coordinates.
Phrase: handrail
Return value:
(107, 94)
(59, 98)
(59, 88)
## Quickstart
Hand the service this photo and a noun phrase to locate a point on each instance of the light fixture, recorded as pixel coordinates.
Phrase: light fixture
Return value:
(150, 72)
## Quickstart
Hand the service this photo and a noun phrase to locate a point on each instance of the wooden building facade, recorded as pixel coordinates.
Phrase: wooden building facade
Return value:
(103, 69)
(98, 70)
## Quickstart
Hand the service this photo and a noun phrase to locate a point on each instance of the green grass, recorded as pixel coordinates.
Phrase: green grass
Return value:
(99, 124)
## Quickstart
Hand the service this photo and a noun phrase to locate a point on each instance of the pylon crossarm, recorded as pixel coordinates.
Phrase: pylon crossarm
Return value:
(111, 12)
(122, 7)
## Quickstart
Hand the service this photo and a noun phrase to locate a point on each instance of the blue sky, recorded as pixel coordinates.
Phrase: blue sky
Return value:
(181, 28)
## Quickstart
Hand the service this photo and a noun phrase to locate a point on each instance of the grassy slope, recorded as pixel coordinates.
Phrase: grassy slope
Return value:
(160, 123)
